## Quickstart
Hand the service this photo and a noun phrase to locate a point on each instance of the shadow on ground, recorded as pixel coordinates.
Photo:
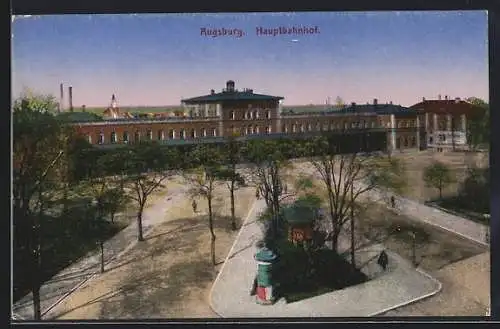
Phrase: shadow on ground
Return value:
(156, 275)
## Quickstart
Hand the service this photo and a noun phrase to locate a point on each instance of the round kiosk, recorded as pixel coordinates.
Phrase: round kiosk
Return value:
(265, 259)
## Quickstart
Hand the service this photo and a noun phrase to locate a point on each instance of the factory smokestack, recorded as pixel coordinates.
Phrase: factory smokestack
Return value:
(61, 99)
(70, 95)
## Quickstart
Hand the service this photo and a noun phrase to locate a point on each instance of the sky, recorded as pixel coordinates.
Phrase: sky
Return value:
(158, 59)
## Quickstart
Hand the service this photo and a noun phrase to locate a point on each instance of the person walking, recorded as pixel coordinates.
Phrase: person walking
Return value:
(383, 260)
(393, 201)
(194, 205)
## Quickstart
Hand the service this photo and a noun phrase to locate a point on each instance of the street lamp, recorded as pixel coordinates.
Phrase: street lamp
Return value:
(414, 256)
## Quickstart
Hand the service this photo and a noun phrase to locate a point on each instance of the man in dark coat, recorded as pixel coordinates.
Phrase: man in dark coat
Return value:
(383, 260)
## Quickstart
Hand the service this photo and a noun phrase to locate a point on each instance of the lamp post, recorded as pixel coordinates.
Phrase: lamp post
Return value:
(413, 245)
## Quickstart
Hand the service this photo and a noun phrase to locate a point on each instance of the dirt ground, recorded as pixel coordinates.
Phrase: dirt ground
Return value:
(170, 274)
(458, 162)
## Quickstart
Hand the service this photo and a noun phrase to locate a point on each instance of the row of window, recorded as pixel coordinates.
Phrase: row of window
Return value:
(406, 141)
(251, 115)
(250, 130)
(113, 137)
(318, 127)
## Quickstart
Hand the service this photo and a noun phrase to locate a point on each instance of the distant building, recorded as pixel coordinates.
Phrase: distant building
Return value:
(373, 126)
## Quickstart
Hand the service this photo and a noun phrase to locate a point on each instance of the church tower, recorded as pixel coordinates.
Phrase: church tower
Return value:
(113, 102)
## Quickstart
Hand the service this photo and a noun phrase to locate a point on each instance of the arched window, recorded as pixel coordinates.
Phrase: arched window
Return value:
(161, 135)
(150, 134)
(125, 137)
(301, 127)
(256, 114)
(309, 127)
(113, 137)
(171, 134)
(182, 134)
(101, 138)
(294, 128)
(193, 133)
(137, 136)
(231, 114)
(214, 132)
(89, 138)
(203, 132)
(268, 114)
(285, 128)
(268, 129)
(257, 129)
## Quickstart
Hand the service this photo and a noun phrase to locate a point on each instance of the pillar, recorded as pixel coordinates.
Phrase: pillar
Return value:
(463, 123)
(449, 122)
(393, 132)
(434, 122)
(418, 132)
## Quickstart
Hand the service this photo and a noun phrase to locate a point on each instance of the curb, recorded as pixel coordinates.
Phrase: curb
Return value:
(229, 254)
(414, 300)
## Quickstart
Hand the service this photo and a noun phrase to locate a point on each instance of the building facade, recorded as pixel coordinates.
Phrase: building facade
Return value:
(250, 114)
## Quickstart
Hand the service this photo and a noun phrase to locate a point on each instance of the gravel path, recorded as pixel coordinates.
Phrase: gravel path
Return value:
(65, 282)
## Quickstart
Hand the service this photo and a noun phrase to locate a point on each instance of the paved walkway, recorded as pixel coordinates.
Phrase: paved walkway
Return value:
(399, 285)
(421, 212)
(71, 278)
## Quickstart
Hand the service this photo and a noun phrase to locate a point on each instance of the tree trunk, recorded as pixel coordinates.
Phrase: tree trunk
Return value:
(233, 211)
(139, 223)
(36, 299)
(211, 226)
(353, 249)
(101, 243)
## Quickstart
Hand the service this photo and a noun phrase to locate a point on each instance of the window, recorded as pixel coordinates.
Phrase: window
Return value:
(346, 125)
(171, 134)
(214, 132)
(150, 134)
(193, 133)
(125, 137)
(309, 127)
(137, 136)
(247, 115)
(413, 141)
(161, 135)
(113, 137)
(318, 126)
(182, 134)
(442, 138)
(268, 129)
(256, 114)
(373, 124)
(268, 114)
(89, 138)
(285, 128)
(294, 127)
(353, 124)
(406, 142)
(101, 138)
(232, 115)
(203, 132)
(257, 129)
(301, 127)
(250, 130)
(325, 126)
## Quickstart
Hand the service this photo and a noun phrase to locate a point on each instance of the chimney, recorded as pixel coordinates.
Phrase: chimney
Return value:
(212, 91)
(84, 108)
(230, 85)
(423, 99)
(375, 101)
(70, 95)
(390, 102)
(446, 97)
(61, 100)
(439, 97)
(353, 104)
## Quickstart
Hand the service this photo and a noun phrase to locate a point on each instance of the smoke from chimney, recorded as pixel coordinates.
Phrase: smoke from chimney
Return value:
(70, 95)
(61, 99)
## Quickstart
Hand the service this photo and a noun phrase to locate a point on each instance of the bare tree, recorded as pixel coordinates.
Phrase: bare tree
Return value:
(346, 177)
